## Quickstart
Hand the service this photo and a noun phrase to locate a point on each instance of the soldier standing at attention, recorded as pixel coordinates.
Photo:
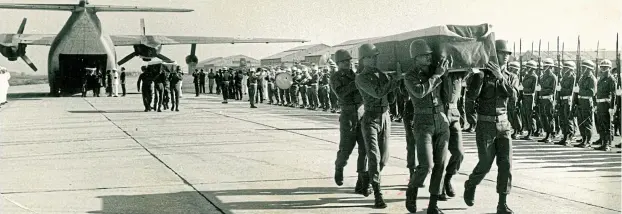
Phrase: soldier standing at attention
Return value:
(195, 80)
(226, 77)
(218, 79)
(175, 79)
(312, 90)
(605, 104)
(202, 81)
(211, 78)
(324, 90)
(260, 85)
(431, 127)
(374, 86)
(238, 85)
(492, 90)
(513, 110)
(350, 135)
(585, 103)
(530, 81)
(122, 77)
(546, 101)
(147, 83)
(252, 86)
(566, 100)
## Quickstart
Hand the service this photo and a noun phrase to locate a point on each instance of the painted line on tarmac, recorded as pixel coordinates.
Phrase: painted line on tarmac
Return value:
(186, 182)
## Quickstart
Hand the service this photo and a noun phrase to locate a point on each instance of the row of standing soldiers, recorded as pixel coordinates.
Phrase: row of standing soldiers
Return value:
(94, 79)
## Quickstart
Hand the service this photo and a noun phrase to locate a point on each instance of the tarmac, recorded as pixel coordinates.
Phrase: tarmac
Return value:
(105, 155)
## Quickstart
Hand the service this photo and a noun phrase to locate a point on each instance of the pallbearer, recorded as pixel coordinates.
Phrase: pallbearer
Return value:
(566, 102)
(605, 104)
(147, 84)
(374, 86)
(350, 135)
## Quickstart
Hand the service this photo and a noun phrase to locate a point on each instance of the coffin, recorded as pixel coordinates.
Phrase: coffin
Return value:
(469, 46)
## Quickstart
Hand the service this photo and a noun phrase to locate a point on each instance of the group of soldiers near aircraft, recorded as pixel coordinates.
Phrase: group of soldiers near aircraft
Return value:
(500, 103)
(94, 79)
(158, 88)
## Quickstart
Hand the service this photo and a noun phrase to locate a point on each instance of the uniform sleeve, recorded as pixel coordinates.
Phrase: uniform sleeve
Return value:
(420, 88)
(140, 79)
(365, 84)
(474, 86)
(548, 85)
(342, 90)
(612, 92)
(592, 87)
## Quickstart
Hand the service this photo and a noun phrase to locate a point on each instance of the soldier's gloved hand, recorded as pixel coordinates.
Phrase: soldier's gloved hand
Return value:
(494, 69)
(442, 68)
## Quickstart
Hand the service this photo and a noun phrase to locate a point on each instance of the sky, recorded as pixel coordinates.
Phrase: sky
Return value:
(330, 22)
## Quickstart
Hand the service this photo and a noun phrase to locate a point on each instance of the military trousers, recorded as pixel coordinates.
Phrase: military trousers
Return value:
(211, 86)
(471, 114)
(147, 94)
(238, 92)
(303, 94)
(603, 121)
(585, 118)
(351, 135)
(546, 114)
(461, 108)
(260, 94)
(175, 93)
(514, 117)
(566, 118)
(376, 128)
(197, 90)
(284, 95)
(527, 110)
(456, 148)
(323, 96)
(252, 93)
(314, 99)
(293, 91)
(159, 96)
(334, 101)
(411, 146)
(225, 90)
(493, 141)
(431, 133)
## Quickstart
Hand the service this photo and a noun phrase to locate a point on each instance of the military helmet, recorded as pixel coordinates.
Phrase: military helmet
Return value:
(419, 47)
(606, 63)
(367, 50)
(532, 64)
(548, 62)
(342, 55)
(502, 46)
(514, 64)
(570, 64)
(588, 64)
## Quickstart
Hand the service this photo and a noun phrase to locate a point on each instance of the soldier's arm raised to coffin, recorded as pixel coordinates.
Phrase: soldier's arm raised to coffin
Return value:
(474, 86)
(418, 87)
(365, 83)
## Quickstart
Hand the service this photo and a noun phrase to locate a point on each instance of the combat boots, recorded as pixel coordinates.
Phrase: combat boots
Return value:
(605, 146)
(448, 188)
(469, 194)
(339, 177)
(362, 185)
(411, 199)
(502, 207)
(546, 139)
(528, 136)
(378, 200)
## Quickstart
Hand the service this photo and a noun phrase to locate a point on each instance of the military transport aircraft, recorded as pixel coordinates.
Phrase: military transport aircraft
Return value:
(83, 43)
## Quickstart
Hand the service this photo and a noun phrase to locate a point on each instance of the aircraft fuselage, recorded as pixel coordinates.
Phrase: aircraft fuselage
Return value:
(82, 35)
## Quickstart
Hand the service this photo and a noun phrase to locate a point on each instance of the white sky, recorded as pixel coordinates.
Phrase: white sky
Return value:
(331, 22)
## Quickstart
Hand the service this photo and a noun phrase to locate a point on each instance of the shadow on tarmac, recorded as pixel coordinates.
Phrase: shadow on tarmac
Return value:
(193, 202)
(27, 95)
(100, 112)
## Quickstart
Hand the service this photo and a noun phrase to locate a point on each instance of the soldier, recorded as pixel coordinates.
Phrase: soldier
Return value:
(566, 100)
(147, 83)
(492, 88)
(260, 85)
(374, 85)
(284, 93)
(109, 83)
(218, 79)
(211, 78)
(225, 78)
(513, 110)
(161, 81)
(272, 94)
(431, 127)
(253, 78)
(196, 75)
(530, 81)
(122, 77)
(324, 90)
(314, 100)
(294, 88)
(175, 79)
(546, 100)
(334, 104)
(304, 85)
(238, 85)
(202, 81)
(605, 104)
(469, 109)
(343, 81)
(585, 103)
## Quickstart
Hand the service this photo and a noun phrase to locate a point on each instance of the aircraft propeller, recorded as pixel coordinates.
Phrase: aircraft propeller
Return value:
(11, 47)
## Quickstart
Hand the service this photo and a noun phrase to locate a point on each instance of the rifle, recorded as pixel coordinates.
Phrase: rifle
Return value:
(596, 69)
(520, 61)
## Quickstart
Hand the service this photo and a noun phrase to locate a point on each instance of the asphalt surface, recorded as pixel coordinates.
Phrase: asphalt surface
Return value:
(105, 155)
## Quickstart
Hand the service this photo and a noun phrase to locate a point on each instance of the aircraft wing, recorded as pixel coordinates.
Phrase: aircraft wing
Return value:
(127, 40)
(33, 39)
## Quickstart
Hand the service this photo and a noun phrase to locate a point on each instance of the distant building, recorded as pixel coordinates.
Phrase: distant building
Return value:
(289, 57)
(235, 61)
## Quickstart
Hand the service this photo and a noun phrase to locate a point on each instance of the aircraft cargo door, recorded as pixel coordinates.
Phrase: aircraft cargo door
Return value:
(72, 70)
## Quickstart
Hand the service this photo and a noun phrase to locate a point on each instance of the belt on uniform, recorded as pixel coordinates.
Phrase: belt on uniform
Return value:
(546, 97)
(453, 106)
(565, 97)
(604, 100)
(527, 94)
(488, 118)
(585, 97)
(429, 110)
(252, 83)
(313, 84)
